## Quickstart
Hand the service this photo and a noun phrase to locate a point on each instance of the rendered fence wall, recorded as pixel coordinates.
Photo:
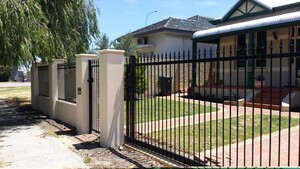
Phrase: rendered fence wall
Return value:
(66, 112)
(76, 111)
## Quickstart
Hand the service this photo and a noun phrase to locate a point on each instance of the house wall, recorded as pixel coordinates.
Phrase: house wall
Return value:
(282, 33)
(158, 41)
(226, 42)
(170, 42)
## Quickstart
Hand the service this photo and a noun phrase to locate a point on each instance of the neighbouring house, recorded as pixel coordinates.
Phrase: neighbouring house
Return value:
(171, 35)
(263, 29)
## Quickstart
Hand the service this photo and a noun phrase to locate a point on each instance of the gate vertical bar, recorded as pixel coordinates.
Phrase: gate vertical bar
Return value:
(132, 95)
(90, 81)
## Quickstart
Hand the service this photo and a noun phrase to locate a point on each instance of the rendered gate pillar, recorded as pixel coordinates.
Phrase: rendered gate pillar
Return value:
(34, 86)
(82, 92)
(53, 86)
(111, 98)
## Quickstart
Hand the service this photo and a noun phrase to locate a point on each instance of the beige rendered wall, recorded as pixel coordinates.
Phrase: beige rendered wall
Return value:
(66, 112)
(112, 97)
(43, 104)
(226, 42)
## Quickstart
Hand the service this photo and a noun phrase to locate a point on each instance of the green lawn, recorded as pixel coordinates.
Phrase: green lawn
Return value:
(160, 109)
(1, 165)
(198, 144)
(16, 96)
(21, 92)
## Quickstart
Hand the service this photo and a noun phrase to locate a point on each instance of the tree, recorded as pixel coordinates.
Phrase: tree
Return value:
(103, 42)
(45, 28)
(126, 43)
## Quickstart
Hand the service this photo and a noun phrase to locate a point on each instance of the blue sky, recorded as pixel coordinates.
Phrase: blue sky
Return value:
(118, 17)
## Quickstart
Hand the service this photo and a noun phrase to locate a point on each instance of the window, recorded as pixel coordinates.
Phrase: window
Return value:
(261, 42)
(142, 41)
(293, 31)
(298, 45)
(241, 45)
(139, 41)
(241, 50)
(261, 63)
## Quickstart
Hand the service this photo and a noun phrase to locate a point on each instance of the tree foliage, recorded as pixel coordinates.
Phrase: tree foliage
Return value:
(46, 29)
(103, 42)
(126, 43)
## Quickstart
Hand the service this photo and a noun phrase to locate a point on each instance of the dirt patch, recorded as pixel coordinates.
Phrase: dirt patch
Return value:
(17, 102)
(121, 157)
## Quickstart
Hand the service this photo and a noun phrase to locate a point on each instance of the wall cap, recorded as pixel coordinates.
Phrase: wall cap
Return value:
(58, 60)
(111, 51)
(82, 55)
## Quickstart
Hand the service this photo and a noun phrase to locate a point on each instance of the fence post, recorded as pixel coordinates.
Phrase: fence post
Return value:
(111, 97)
(34, 86)
(53, 86)
(132, 89)
(82, 92)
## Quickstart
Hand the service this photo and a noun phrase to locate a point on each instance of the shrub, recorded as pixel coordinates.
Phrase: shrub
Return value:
(141, 80)
(4, 74)
(260, 78)
(219, 82)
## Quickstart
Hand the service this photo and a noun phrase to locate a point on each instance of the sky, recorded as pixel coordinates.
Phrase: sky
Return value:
(118, 17)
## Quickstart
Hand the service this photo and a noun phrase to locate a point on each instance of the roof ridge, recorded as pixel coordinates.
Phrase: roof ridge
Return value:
(169, 20)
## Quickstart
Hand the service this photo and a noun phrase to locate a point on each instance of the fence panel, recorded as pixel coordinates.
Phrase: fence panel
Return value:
(67, 81)
(43, 76)
(210, 108)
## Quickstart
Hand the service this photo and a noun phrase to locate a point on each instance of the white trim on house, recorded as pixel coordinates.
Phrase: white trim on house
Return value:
(276, 3)
(274, 20)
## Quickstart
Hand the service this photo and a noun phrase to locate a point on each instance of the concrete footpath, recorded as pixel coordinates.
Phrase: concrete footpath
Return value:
(23, 145)
(15, 84)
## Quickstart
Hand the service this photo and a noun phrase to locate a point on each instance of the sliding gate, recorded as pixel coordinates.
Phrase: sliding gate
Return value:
(200, 110)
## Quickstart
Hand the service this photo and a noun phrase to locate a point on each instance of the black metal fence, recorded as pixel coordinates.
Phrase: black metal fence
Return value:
(94, 93)
(67, 81)
(43, 74)
(215, 108)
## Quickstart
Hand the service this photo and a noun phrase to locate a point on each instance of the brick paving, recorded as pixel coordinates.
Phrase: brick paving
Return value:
(262, 151)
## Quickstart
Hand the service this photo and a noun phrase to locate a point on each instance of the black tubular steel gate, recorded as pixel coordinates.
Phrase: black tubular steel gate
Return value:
(94, 93)
(214, 108)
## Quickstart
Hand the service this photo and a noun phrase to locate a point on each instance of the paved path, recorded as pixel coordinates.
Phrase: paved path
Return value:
(14, 84)
(23, 145)
(241, 154)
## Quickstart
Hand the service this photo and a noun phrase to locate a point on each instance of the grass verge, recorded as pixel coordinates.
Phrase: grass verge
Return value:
(202, 137)
(155, 109)
(16, 96)
(21, 92)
